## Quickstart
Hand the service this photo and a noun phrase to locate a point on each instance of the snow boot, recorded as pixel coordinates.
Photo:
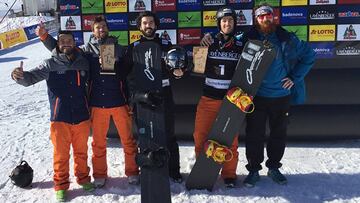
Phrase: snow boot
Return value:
(251, 179)
(277, 176)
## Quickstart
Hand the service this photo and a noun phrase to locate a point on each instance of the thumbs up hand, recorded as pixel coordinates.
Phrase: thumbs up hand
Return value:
(40, 30)
(18, 73)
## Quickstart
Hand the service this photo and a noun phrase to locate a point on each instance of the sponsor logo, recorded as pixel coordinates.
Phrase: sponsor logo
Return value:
(89, 4)
(185, 36)
(116, 4)
(116, 21)
(349, 14)
(256, 59)
(32, 30)
(224, 55)
(322, 1)
(210, 17)
(322, 15)
(68, 7)
(314, 2)
(349, 33)
(293, 2)
(322, 51)
(189, 36)
(296, 15)
(159, 3)
(148, 64)
(135, 37)
(167, 20)
(322, 32)
(189, 19)
(241, 18)
(214, 2)
(92, 6)
(187, 1)
(189, 5)
(87, 22)
(348, 51)
(70, 24)
(239, 1)
(12, 36)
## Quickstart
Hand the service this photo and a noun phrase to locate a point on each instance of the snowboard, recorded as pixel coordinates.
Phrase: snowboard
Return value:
(256, 57)
(154, 180)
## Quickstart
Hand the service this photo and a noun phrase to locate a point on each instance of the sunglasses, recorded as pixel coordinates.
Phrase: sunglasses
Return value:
(267, 15)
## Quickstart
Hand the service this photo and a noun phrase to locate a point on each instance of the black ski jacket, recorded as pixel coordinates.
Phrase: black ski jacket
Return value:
(221, 62)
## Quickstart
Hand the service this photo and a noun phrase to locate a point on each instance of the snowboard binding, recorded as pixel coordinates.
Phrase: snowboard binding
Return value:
(219, 153)
(241, 99)
(152, 158)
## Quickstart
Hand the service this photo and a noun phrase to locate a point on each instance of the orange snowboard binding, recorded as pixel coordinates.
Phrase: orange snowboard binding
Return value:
(241, 99)
(219, 153)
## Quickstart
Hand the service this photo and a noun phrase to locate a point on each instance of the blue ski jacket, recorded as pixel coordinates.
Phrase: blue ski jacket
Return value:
(67, 86)
(294, 55)
(106, 91)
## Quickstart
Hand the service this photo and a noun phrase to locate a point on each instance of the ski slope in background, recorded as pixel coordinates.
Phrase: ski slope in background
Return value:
(317, 172)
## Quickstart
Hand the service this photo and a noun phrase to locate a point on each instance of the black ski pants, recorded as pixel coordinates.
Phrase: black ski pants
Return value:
(274, 110)
(172, 145)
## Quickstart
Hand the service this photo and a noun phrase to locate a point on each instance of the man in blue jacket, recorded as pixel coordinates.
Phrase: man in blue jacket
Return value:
(282, 86)
(108, 98)
(67, 75)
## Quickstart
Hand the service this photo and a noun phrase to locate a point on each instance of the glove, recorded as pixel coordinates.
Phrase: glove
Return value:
(152, 99)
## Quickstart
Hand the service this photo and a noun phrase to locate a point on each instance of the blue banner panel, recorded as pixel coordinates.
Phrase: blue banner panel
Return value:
(188, 5)
(79, 38)
(117, 21)
(30, 32)
(323, 49)
(168, 20)
(348, 14)
(294, 15)
(69, 7)
(241, 4)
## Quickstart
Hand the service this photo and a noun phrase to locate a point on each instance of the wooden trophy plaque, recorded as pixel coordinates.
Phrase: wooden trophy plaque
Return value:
(107, 54)
(199, 58)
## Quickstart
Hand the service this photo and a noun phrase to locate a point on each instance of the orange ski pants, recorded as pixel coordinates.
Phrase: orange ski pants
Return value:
(64, 135)
(206, 112)
(100, 121)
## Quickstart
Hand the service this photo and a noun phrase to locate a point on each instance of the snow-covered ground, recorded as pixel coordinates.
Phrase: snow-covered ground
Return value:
(317, 172)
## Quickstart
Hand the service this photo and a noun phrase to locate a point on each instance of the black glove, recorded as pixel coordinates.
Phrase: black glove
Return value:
(152, 98)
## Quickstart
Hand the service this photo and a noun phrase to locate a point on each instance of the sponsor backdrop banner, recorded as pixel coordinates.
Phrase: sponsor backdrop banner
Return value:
(331, 27)
(11, 38)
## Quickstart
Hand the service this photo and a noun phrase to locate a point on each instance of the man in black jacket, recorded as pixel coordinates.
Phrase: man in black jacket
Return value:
(147, 23)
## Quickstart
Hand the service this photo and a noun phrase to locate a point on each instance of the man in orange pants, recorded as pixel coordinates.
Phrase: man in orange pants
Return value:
(220, 67)
(108, 98)
(66, 74)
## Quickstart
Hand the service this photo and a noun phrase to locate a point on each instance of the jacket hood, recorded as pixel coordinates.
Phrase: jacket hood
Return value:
(61, 57)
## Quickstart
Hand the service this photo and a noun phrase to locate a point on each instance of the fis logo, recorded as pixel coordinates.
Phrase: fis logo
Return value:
(350, 33)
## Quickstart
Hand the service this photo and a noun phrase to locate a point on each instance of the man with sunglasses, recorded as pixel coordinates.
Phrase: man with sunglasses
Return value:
(282, 86)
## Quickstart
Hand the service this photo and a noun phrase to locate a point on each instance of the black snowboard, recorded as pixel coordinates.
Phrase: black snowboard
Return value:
(250, 70)
(155, 185)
